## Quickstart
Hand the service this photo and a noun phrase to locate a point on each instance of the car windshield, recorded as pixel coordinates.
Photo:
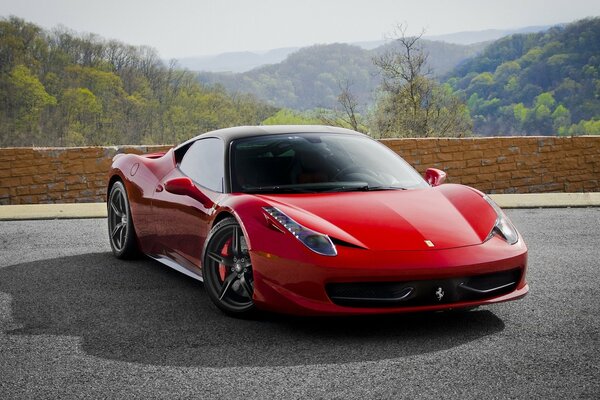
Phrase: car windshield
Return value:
(315, 162)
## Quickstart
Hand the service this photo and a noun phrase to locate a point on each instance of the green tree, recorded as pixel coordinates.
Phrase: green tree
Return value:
(289, 117)
(482, 84)
(545, 99)
(520, 113)
(506, 70)
(82, 111)
(561, 119)
(62, 88)
(25, 99)
(560, 66)
(589, 127)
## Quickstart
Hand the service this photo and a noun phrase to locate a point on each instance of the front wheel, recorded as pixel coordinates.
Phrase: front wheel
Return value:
(227, 269)
(120, 224)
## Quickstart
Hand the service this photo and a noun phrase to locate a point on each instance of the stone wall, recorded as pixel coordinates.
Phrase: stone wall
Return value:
(493, 165)
(58, 175)
(510, 164)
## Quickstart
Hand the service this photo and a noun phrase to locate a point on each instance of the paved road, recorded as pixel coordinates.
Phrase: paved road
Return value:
(77, 323)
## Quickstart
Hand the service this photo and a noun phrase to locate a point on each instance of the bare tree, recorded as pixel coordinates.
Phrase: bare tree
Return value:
(346, 115)
(404, 61)
(412, 102)
(349, 104)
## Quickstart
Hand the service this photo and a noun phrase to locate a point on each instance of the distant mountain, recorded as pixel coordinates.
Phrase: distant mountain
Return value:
(470, 37)
(535, 83)
(371, 44)
(235, 61)
(242, 61)
(442, 56)
(309, 78)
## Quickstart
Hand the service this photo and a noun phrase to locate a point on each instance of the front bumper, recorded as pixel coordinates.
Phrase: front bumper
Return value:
(300, 286)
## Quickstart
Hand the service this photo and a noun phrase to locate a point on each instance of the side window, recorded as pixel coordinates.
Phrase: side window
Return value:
(204, 163)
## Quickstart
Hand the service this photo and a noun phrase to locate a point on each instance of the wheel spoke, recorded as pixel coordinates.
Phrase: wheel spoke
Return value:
(116, 229)
(123, 233)
(117, 212)
(120, 203)
(226, 285)
(220, 259)
(246, 285)
(228, 270)
(117, 202)
(235, 242)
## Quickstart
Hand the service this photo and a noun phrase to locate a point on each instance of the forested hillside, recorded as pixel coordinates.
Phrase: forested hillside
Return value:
(310, 78)
(523, 84)
(539, 83)
(61, 88)
(242, 61)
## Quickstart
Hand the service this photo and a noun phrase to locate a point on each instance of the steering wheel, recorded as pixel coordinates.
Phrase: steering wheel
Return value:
(351, 169)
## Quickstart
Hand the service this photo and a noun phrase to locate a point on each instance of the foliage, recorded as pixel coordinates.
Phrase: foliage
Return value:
(539, 83)
(61, 88)
(591, 127)
(285, 116)
(25, 98)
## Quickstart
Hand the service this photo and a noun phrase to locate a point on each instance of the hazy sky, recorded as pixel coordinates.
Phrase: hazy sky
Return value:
(179, 28)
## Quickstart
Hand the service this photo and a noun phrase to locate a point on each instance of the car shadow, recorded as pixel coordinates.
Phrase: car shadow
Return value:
(139, 311)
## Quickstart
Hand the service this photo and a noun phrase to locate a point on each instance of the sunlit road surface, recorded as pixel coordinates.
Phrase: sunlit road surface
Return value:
(76, 323)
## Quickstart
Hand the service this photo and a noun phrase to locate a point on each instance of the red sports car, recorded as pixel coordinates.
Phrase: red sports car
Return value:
(313, 220)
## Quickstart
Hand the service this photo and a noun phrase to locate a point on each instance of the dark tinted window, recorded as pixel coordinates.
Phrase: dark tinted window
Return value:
(315, 162)
(204, 163)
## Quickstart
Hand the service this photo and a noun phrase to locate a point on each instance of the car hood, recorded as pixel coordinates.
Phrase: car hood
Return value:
(420, 219)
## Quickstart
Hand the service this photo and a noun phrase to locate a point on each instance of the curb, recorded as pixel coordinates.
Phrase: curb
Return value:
(98, 210)
(547, 200)
(52, 211)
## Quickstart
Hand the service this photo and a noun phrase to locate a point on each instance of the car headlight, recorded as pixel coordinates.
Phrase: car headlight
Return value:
(317, 242)
(503, 226)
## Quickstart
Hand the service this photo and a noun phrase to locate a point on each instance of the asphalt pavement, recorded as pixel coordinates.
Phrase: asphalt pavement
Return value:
(77, 323)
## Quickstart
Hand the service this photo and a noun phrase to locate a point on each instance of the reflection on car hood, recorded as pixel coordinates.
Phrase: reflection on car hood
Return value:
(434, 218)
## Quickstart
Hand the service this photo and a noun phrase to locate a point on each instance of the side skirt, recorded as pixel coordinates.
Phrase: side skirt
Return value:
(172, 264)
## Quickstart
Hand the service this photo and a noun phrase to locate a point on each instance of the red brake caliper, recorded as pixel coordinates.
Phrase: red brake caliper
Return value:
(224, 253)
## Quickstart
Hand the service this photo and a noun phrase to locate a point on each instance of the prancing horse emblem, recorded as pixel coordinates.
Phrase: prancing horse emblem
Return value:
(439, 293)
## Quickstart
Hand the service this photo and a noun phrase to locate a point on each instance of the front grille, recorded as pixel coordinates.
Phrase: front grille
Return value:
(423, 292)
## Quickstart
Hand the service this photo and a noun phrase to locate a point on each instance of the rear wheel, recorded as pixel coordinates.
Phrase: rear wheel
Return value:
(120, 225)
(227, 269)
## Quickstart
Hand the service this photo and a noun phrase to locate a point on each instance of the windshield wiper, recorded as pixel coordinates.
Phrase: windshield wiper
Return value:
(363, 188)
(320, 188)
(349, 187)
(375, 188)
(275, 189)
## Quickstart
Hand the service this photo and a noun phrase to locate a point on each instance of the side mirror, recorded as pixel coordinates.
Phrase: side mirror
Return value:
(434, 176)
(185, 187)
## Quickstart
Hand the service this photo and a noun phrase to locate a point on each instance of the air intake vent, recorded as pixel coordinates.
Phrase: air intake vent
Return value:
(423, 292)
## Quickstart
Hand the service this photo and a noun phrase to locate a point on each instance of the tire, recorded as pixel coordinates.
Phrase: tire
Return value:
(121, 232)
(227, 269)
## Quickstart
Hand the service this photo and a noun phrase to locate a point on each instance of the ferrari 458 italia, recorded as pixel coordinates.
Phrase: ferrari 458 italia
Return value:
(313, 220)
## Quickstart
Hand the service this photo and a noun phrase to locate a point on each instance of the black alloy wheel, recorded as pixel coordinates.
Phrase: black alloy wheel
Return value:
(121, 232)
(227, 269)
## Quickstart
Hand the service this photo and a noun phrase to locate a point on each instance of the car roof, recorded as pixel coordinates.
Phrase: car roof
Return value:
(229, 134)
